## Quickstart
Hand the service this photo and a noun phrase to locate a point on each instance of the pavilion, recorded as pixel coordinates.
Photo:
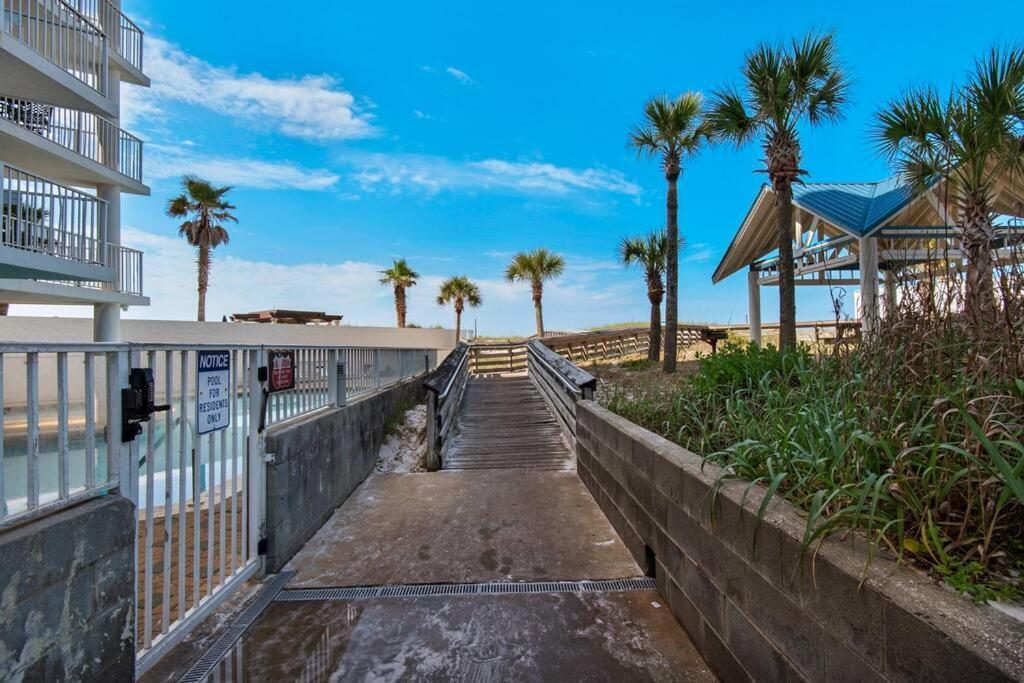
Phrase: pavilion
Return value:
(858, 234)
(277, 316)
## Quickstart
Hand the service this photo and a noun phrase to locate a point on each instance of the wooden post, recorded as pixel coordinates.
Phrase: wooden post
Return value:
(754, 306)
(433, 456)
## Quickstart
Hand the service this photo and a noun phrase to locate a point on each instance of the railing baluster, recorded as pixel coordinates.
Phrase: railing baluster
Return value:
(168, 490)
(149, 507)
(211, 461)
(3, 492)
(63, 485)
(234, 458)
(183, 437)
(32, 415)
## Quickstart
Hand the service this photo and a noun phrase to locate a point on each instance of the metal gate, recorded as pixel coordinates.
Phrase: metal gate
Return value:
(200, 502)
(199, 499)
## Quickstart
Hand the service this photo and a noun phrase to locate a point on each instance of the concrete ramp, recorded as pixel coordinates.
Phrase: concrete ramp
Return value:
(505, 423)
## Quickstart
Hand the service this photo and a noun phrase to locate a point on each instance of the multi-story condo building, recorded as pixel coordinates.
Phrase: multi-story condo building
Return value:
(64, 158)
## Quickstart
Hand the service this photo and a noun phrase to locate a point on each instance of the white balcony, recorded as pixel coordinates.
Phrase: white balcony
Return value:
(72, 146)
(50, 52)
(54, 248)
(48, 231)
(124, 37)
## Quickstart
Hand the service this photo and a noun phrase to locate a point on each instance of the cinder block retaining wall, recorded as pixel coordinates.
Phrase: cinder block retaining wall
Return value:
(320, 460)
(772, 614)
(66, 592)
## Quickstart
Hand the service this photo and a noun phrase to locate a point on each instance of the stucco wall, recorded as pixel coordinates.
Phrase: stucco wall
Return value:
(320, 460)
(35, 329)
(769, 611)
(66, 593)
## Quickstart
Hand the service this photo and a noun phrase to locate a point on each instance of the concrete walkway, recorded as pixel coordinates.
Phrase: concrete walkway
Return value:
(460, 527)
(464, 527)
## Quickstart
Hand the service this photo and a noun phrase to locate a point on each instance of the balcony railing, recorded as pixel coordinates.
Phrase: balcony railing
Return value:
(89, 135)
(123, 35)
(61, 34)
(127, 265)
(40, 216)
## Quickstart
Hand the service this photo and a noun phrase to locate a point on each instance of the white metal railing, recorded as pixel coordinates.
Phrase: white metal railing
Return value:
(61, 404)
(45, 217)
(83, 133)
(123, 35)
(61, 34)
(199, 497)
(127, 278)
(366, 369)
(127, 264)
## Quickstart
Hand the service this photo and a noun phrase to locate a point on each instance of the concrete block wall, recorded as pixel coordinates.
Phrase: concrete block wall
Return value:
(769, 611)
(320, 460)
(66, 595)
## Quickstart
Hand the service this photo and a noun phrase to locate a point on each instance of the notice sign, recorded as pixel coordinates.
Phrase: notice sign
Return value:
(282, 370)
(213, 391)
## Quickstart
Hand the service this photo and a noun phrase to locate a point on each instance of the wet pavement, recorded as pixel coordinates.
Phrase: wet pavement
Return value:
(553, 637)
(457, 528)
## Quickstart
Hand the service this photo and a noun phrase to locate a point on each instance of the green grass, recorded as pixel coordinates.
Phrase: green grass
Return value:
(898, 441)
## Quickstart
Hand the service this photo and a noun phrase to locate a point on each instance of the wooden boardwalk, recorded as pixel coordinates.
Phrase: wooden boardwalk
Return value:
(505, 423)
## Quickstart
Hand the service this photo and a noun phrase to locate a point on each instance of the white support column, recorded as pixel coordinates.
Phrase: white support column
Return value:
(107, 317)
(868, 285)
(890, 295)
(754, 306)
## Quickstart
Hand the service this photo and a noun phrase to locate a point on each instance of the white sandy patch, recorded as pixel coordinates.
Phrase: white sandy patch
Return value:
(406, 449)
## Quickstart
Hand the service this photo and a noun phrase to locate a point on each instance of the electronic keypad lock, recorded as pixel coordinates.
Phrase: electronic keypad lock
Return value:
(138, 403)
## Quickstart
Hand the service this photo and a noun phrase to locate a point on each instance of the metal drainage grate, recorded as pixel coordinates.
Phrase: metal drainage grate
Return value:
(454, 589)
(211, 658)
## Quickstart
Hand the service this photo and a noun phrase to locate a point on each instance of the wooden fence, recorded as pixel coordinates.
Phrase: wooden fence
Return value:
(444, 386)
(607, 344)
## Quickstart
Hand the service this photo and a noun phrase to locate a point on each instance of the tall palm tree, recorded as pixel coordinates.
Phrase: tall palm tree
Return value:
(671, 130)
(783, 86)
(650, 253)
(401, 277)
(206, 210)
(961, 144)
(459, 291)
(535, 267)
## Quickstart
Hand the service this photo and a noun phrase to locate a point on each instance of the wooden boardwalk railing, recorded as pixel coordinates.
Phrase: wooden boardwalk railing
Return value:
(497, 358)
(561, 384)
(444, 386)
(606, 344)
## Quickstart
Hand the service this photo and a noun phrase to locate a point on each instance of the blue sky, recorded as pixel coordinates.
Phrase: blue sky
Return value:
(456, 134)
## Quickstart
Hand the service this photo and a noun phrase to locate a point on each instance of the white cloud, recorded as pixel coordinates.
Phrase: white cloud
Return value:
(434, 174)
(313, 107)
(699, 252)
(459, 75)
(421, 115)
(579, 299)
(167, 161)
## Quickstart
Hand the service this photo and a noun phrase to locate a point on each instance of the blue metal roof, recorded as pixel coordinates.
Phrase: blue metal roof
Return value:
(857, 208)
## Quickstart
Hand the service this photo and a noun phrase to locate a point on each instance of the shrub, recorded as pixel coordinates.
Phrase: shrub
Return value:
(913, 439)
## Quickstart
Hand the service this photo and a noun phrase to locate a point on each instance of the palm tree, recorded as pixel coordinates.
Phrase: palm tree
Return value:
(535, 267)
(963, 143)
(782, 86)
(460, 291)
(401, 277)
(650, 253)
(205, 209)
(672, 130)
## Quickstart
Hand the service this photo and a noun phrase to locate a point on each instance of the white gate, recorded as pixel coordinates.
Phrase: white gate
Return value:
(200, 501)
